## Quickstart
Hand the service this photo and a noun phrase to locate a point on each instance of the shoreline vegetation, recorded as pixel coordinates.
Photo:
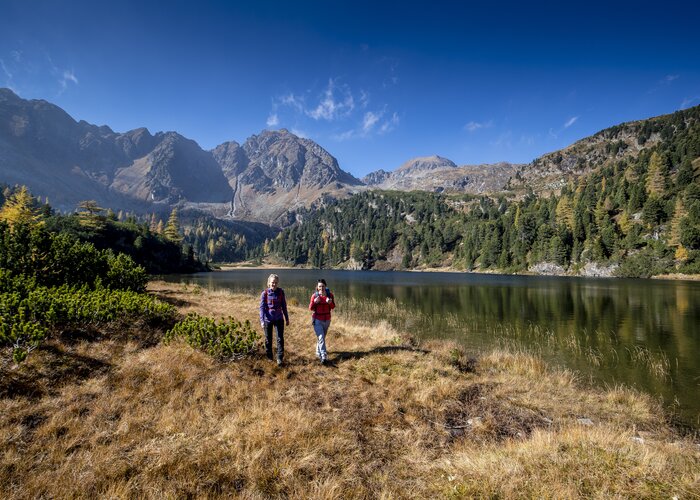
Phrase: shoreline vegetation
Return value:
(119, 414)
(231, 266)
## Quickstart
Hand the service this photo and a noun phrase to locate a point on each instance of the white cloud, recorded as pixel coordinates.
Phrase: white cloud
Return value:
(347, 111)
(293, 101)
(670, 78)
(344, 136)
(68, 76)
(300, 133)
(16, 55)
(390, 124)
(570, 121)
(336, 101)
(505, 140)
(364, 99)
(474, 126)
(527, 140)
(688, 101)
(5, 70)
(369, 121)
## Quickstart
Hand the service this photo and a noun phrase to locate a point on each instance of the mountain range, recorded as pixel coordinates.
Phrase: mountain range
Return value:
(268, 178)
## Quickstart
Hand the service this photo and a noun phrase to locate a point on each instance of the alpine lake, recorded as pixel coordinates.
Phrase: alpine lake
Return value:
(640, 333)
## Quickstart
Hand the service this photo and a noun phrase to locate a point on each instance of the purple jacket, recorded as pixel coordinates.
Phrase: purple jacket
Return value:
(273, 306)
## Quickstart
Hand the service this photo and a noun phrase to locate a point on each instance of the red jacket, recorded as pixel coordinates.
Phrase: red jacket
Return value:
(322, 310)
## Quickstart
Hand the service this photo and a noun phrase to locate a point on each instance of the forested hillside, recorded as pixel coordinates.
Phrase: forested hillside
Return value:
(637, 215)
(153, 244)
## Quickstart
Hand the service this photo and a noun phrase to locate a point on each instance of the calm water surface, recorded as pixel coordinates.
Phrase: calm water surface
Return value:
(643, 333)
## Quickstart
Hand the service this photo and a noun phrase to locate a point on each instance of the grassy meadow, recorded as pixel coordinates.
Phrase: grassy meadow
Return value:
(120, 414)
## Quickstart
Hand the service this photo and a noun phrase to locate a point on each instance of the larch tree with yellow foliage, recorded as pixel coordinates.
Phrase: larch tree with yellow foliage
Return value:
(19, 208)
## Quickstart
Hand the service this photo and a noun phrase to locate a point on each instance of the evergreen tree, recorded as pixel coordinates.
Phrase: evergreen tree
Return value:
(172, 228)
(90, 215)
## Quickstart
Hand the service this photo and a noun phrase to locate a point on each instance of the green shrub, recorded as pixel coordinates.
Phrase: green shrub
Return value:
(28, 313)
(227, 339)
(124, 274)
(57, 259)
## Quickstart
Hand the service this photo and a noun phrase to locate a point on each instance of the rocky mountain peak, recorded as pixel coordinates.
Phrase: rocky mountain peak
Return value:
(425, 164)
(376, 177)
(279, 159)
(232, 158)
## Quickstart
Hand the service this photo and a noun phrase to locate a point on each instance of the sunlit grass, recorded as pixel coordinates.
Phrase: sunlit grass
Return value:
(389, 418)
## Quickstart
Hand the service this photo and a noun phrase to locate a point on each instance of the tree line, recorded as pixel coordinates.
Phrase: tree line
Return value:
(640, 214)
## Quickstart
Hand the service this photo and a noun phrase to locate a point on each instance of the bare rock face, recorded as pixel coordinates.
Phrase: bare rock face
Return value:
(232, 158)
(375, 178)
(286, 161)
(276, 172)
(175, 169)
(418, 167)
(434, 173)
(42, 147)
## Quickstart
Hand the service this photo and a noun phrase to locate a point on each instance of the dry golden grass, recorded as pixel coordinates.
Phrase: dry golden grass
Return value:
(387, 419)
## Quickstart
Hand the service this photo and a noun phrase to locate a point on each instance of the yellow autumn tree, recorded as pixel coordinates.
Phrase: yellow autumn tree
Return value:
(678, 214)
(624, 222)
(172, 228)
(19, 208)
(565, 212)
(656, 176)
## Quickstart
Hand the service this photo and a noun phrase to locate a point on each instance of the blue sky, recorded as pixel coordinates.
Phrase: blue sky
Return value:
(374, 83)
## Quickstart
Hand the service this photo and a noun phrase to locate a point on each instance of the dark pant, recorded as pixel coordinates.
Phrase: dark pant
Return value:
(279, 328)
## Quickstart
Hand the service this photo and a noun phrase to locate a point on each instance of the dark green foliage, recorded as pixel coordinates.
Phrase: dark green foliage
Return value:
(28, 312)
(226, 339)
(156, 253)
(646, 262)
(608, 217)
(215, 240)
(52, 259)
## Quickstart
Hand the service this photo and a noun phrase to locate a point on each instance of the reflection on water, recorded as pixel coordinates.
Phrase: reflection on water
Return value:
(638, 332)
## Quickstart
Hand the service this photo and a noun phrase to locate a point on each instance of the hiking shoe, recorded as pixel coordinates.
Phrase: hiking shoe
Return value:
(323, 361)
(279, 362)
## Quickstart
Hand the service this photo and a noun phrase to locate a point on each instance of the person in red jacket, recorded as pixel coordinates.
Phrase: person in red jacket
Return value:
(322, 302)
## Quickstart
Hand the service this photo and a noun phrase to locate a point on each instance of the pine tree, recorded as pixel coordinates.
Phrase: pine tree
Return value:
(172, 228)
(90, 215)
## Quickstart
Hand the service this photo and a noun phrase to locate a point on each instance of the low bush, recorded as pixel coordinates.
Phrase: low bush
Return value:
(28, 312)
(227, 339)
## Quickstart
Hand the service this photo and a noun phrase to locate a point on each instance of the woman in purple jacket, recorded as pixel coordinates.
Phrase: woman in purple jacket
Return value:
(273, 313)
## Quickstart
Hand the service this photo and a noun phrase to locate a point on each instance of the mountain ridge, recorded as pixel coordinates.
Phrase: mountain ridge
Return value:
(267, 178)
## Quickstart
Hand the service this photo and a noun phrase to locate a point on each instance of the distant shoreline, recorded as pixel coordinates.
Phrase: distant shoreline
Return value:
(246, 265)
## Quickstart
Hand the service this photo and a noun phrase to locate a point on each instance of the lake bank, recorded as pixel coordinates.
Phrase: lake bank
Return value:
(589, 272)
(389, 416)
